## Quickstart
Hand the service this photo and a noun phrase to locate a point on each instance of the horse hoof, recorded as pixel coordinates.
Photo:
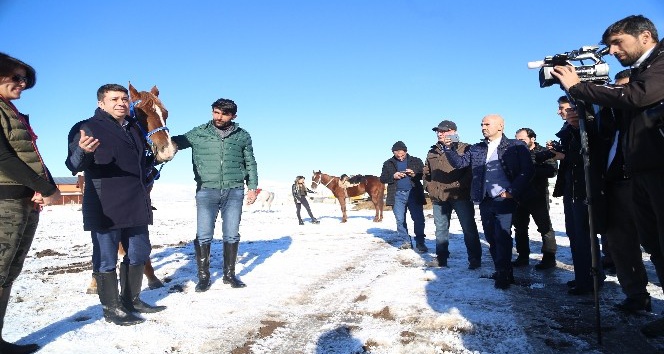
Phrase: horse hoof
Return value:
(155, 284)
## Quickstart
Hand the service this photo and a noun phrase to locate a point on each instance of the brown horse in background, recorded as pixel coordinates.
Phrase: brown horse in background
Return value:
(151, 116)
(360, 184)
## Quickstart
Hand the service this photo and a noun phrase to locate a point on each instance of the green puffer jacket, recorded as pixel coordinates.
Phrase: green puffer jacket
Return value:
(220, 163)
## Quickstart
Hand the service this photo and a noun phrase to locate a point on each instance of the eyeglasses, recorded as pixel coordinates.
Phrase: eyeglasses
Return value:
(18, 79)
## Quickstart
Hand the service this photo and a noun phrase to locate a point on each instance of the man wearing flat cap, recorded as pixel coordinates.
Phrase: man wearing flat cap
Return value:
(403, 174)
(449, 190)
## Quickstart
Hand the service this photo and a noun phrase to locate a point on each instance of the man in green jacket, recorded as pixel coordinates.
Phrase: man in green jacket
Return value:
(223, 161)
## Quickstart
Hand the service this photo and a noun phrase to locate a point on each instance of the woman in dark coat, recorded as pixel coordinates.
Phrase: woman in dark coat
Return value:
(300, 198)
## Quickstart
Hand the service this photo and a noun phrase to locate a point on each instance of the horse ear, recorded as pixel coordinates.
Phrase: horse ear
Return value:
(133, 93)
(155, 90)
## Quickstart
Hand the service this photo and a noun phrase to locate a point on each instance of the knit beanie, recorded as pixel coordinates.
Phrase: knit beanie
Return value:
(399, 145)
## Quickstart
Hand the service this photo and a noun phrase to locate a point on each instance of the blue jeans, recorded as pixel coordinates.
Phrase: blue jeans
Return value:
(403, 201)
(209, 203)
(578, 231)
(465, 210)
(135, 240)
(496, 214)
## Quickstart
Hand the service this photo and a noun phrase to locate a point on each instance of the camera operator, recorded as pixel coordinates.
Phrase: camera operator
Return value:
(620, 228)
(537, 206)
(634, 42)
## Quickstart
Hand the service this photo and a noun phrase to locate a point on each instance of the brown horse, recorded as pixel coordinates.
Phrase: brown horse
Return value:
(359, 185)
(151, 116)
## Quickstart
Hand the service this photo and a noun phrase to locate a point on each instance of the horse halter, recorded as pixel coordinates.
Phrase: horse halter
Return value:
(320, 181)
(151, 144)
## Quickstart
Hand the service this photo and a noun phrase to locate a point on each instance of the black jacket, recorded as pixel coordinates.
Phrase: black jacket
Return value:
(115, 194)
(543, 171)
(387, 176)
(642, 104)
(571, 181)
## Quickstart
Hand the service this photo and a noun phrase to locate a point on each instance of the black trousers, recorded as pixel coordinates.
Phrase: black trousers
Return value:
(622, 237)
(648, 199)
(305, 203)
(538, 207)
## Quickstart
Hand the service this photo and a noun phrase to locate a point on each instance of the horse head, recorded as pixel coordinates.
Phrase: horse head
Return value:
(151, 115)
(316, 179)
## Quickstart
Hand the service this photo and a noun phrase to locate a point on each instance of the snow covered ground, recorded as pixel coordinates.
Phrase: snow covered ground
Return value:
(327, 288)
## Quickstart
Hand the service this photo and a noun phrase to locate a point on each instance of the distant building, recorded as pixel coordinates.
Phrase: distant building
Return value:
(71, 189)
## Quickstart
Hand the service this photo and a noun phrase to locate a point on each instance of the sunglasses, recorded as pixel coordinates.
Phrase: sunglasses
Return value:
(18, 79)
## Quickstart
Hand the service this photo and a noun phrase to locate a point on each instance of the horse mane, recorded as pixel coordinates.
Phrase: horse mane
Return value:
(357, 179)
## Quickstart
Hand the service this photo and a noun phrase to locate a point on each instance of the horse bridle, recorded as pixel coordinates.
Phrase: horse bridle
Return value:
(147, 135)
(320, 178)
(151, 144)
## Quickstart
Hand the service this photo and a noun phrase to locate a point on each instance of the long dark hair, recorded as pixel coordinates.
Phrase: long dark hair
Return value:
(8, 64)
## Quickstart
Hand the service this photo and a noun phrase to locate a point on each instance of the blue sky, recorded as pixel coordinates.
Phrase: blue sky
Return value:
(327, 85)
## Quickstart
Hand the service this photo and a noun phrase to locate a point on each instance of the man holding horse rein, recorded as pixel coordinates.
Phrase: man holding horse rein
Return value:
(116, 202)
(223, 159)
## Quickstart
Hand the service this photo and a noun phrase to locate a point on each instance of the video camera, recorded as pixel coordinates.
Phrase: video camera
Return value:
(597, 71)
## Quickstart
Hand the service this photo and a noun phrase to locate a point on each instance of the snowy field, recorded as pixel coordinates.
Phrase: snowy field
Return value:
(327, 288)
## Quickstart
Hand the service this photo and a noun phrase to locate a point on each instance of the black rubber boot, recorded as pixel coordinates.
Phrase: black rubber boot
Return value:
(230, 257)
(131, 282)
(203, 263)
(114, 311)
(6, 347)
(548, 261)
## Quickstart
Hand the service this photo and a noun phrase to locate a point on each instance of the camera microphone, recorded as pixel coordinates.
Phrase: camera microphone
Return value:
(535, 64)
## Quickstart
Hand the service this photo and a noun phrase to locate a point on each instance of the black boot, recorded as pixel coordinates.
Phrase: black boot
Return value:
(420, 246)
(548, 261)
(503, 279)
(131, 282)
(230, 256)
(114, 311)
(6, 347)
(521, 261)
(315, 221)
(438, 262)
(203, 263)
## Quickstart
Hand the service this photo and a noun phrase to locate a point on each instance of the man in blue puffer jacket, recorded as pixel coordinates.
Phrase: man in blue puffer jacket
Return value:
(223, 161)
(502, 171)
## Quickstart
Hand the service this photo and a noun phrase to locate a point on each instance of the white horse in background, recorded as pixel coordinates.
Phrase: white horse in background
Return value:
(264, 199)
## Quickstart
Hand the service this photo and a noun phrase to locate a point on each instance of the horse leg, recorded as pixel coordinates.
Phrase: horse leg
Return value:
(344, 218)
(92, 288)
(153, 281)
